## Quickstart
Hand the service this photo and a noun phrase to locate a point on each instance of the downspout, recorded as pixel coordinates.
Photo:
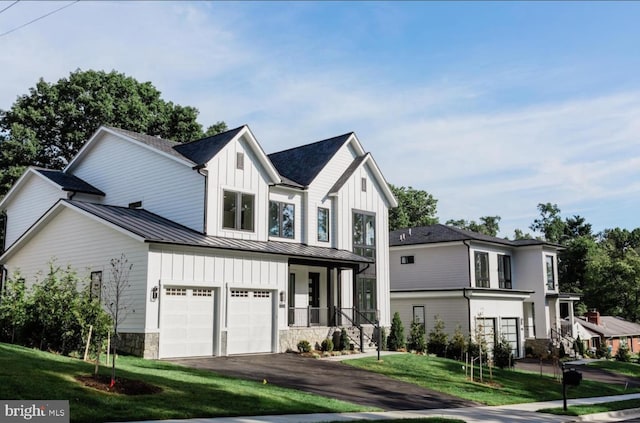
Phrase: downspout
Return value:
(206, 195)
(464, 290)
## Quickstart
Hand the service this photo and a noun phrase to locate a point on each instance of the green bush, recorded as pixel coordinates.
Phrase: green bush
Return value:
(603, 351)
(396, 340)
(327, 345)
(417, 342)
(345, 343)
(457, 345)
(502, 355)
(578, 346)
(623, 354)
(474, 349)
(437, 343)
(304, 346)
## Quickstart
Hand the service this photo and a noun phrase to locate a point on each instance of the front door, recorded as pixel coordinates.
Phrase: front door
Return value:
(314, 298)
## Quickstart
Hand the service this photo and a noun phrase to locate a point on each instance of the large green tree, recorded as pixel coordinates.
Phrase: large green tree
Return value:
(47, 126)
(488, 225)
(415, 208)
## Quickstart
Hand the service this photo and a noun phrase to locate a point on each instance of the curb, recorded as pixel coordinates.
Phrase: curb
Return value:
(609, 416)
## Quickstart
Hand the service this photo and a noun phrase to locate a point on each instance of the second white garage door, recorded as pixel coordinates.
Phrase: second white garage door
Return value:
(250, 321)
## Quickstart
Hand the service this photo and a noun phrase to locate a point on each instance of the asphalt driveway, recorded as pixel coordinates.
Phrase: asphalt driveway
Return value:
(328, 378)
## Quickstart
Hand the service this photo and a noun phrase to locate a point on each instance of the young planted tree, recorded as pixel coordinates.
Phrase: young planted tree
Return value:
(457, 345)
(417, 341)
(117, 301)
(396, 340)
(12, 309)
(437, 343)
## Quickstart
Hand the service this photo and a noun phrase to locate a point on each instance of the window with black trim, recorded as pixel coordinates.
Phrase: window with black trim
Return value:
(323, 224)
(418, 315)
(482, 269)
(95, 289)
(406, 259)
(550, 265)
(364, 234)
(3, 230)
(238, 211)
(281, 219)
(504, 271)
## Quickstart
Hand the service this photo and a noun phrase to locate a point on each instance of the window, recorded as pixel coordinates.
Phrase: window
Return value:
(551, 281)
(364, 184)
(509, 329)
(240, 161)
(323, 224)
(3, 230)
(292, 298)
(504, 271)
(418, 315)
(237, 211)
(281, 217)
(364, 234)
(367, 301)
(96, 285)
(482, 269)
(486, 332)
(175, 292)
(406, 260)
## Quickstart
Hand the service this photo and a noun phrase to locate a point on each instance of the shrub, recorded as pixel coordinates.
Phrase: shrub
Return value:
(437, 343)
(304, 346)
(457, 345)
(578, 346)
(383, 338)
(396, 339)
(561, 351)
(623, 354)
(603, 351)
(417, 342)
(345, 344)
(502, 355)
(474, 349)
(327, 345)
(12, 310)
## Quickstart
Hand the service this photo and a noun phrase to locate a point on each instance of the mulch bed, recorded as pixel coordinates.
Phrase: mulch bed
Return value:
(122, 386)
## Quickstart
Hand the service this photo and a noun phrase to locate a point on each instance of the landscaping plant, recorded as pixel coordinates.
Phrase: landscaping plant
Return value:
(396, 339)
(344, 340)
(502, 354)
(304, 346)
(457, 345)
(623, 354)
(437, 343)
(327, 345)
(417, 341)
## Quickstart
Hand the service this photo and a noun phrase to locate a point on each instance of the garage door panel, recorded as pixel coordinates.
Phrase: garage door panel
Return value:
(250, 322)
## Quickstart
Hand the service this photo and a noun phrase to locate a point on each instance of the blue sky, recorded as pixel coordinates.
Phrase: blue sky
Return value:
(493, 107)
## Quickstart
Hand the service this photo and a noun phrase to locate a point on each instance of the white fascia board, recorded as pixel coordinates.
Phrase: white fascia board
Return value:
(102, 130)
(260, 154)
(391, 199)
(48, 216)
(517, 295)
(426, 245)
(355, 143)
(453, 293)
(31, 171)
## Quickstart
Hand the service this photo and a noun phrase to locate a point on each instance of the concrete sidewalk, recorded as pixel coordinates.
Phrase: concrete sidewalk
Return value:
(501, 414)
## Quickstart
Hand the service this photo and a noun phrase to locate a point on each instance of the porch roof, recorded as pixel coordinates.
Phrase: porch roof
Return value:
(156, 229)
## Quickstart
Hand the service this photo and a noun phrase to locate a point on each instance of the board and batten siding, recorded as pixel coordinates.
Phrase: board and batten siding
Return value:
(351, 198)
(223, 175)
(86, 245)
(215, 268)
(452, 309)
(128, 172)
(435, 266)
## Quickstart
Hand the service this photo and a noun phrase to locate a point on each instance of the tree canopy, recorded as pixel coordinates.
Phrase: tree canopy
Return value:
(47, 126)
(415, 208)
(488, 225)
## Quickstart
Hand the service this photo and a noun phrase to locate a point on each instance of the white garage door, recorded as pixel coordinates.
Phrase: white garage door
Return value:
(186, 322)
(250, 320)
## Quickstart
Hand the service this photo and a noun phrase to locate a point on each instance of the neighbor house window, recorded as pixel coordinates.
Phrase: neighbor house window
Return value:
(323, 224)
(418, 315)
(237, 211)
(482, 269)
(240, 161)
(364, 234)
(95, 289)
(504, 271)
(551, 280)
(281, 217)
(3, 230)
(406, 260)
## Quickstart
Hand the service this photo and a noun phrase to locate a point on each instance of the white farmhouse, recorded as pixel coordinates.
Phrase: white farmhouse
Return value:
(233, 251)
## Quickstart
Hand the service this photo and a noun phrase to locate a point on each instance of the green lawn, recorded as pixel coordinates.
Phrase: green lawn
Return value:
(187, 393)
(579, 410)
(627, 369)
(507, 387)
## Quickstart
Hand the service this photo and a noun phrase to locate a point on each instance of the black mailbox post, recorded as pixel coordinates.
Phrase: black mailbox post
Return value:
(570, 377)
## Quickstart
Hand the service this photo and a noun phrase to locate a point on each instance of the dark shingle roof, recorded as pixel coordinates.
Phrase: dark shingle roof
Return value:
(347, 173)
(302, 164)
(69, 182)
(611, 326)
(201, 151)
(442, 233)
(154, 228)
(161, 144)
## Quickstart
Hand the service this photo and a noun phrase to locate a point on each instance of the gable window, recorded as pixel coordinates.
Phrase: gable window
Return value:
(237, 211)
(3, 230)
(364, 234)
(240, 161)
(281, 218)
(406, 260)
(95, 289)
(504, 271)
(323, 224)
(551, 280)
(482, 269)
(363, 182)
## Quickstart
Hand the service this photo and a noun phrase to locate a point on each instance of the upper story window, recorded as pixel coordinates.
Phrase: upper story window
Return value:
(238, 211)
(551, 279)
(3, 230)
(95, 290)
(504, 271)
(364, 234)
(240, 161)
(407, 260)
(323, 224)
(482, 269)
(363, 184)
(281, 218)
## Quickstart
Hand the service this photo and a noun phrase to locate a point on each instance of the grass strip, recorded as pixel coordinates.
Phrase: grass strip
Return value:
(579, 410)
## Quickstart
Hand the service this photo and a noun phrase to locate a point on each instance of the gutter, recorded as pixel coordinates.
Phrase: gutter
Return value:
(198, 169)
(464, 290)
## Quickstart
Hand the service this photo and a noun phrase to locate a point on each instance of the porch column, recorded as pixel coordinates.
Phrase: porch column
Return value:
(330, 297)
(573, 335)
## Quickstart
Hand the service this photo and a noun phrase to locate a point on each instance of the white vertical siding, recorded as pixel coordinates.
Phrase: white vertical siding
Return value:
(35, 197)
(127, 172)
(223, 175)
(86, 245)
(290, 197)
(435, 266)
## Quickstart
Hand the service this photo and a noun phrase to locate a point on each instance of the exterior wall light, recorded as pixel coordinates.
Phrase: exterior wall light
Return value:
(154, 293)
